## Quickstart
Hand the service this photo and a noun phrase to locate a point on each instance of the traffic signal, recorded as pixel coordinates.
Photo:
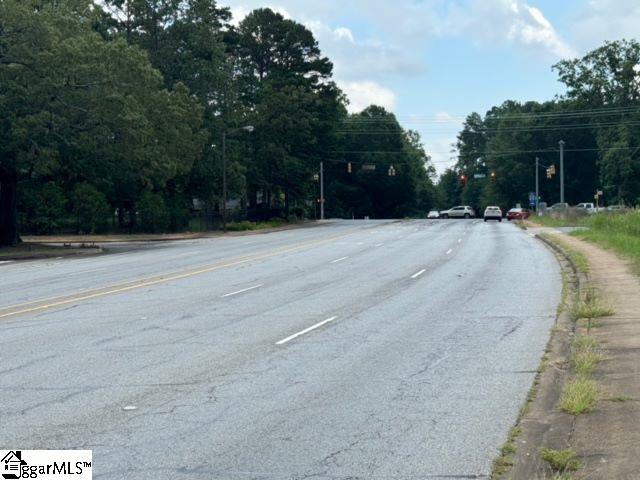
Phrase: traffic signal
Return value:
(349, 169)
(493, 177)
(551, 171)
(392, 171)
(463, 179)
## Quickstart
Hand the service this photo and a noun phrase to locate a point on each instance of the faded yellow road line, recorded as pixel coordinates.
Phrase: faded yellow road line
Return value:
(52, 302)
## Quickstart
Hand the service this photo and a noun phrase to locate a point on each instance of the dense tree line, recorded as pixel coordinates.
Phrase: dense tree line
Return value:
(115, 112)
(598, 119)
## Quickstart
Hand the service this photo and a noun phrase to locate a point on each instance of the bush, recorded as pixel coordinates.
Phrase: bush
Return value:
(91, 208)
(153, 213)
(45, 209)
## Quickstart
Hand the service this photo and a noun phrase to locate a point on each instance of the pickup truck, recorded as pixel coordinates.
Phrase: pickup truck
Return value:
(590, 208)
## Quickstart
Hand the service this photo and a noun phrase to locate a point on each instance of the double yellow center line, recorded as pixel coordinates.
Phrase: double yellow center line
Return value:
(53, 302)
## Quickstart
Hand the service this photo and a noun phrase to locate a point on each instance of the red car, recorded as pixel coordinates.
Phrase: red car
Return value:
(517, 214)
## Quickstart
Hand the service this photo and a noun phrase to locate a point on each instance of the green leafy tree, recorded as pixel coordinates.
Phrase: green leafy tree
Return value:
(78, 108)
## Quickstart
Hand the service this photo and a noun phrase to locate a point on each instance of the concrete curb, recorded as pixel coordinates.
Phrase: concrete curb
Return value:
(543, 424)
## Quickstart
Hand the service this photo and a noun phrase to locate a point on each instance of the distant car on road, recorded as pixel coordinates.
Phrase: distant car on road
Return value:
(493, 213)
(462, 211)
(587, 207)
(617, 208)
(517, 214)
(559, 207)
(433, 214)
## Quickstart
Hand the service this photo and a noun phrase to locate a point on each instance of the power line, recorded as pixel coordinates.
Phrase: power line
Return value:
(489, 116)
(539, 128)
(553, 150)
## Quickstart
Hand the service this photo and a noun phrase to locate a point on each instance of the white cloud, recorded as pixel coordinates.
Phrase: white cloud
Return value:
(363, 94)
(239, 12)
(512, 21)
(602, 20)
(355, 58)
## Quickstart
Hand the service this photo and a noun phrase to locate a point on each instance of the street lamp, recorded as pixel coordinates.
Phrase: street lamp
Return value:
(247, 128)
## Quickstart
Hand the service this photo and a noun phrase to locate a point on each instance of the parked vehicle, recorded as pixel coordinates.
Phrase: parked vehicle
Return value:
(587, 207)
(462, 211)
(559, 207)
(433, 214)
(493, 213)
(517, 214)
(617, 208)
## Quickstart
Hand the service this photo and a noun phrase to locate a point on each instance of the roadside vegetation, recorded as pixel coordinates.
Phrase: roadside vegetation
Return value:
(246, 225)
(619, 233)
(578, 259)
(116, 114)
(561, 461)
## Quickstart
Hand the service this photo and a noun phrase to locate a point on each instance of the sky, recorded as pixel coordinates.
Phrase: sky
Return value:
(432, 62)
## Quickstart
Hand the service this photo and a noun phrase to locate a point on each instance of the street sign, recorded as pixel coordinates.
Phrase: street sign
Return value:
(368, 167)
(600, 193)
(479, 175)
(532, 199)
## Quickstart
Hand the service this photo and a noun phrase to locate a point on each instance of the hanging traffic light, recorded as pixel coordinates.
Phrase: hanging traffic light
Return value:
(463, 179)
(552, 170)
(493, 177)
(549, 174)
(349, 168)
(392, 171)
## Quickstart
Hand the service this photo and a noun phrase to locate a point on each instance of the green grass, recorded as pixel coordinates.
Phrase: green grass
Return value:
(561, 461)
(585, 355)
(246, 225)
(504, 462)
(589, 308)
(617, 232)
(556, 221)
(579, 396)
(620, 398)
(578, 258)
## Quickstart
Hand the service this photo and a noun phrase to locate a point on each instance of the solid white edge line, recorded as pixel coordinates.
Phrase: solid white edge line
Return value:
(449, 252)
(306, 330)
(416, 275)
(379, 245)
(243, 290)
(339, 259)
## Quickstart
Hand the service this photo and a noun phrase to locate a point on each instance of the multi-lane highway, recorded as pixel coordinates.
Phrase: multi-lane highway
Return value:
(351, 350)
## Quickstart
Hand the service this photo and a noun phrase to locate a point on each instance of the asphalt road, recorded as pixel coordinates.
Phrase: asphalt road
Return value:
(352, 350)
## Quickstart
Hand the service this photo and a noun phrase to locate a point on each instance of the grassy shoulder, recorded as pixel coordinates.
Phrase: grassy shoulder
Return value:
(578, 259)
(250, 226)
(29, 251)
(619, 233)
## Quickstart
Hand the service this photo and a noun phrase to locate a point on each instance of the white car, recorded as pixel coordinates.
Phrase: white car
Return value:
(493, 213)
(433, 214)
(462, 211)
(587, 207)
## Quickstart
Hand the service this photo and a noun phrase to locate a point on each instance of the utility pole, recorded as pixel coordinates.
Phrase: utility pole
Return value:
(561, 171)
(321, 191)
(537, 183)
(247, 128)
(224, 182)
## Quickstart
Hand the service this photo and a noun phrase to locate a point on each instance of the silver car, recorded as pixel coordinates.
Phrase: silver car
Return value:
(462, 211)
(492, 213)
